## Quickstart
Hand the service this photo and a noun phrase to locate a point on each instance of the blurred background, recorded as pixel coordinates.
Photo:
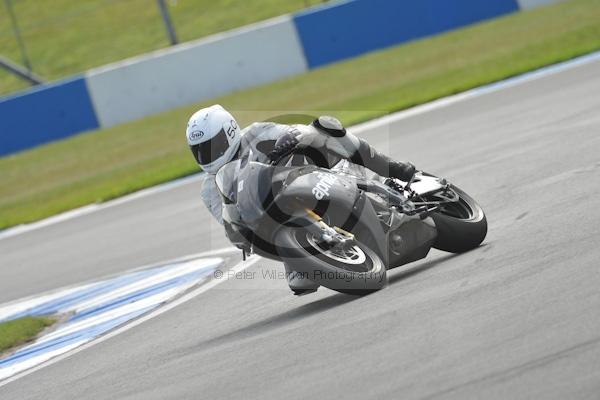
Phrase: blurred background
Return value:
(118, 79)
(57, 38)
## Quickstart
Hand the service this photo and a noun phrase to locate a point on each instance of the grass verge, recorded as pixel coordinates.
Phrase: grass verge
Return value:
(101, 165)
(19, 331)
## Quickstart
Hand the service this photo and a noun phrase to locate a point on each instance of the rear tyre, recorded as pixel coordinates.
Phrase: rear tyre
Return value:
(461, 226)
(357, 270)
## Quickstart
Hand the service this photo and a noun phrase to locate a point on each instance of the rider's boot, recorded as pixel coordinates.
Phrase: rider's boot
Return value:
(299, 283)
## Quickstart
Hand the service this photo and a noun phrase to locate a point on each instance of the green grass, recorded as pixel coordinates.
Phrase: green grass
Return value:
(100, 165)
(64, 37)
(19, 331)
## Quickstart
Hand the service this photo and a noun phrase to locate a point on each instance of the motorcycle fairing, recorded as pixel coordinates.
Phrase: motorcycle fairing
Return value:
(264, 198)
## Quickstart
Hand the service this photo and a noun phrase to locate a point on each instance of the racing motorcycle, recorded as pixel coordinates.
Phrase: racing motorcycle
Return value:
(343, 227)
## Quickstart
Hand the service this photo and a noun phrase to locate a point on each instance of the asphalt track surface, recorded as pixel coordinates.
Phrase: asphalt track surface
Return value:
(517, 318)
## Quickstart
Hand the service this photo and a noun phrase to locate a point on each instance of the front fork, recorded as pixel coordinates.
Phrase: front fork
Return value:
(333, 236)
(314, 224)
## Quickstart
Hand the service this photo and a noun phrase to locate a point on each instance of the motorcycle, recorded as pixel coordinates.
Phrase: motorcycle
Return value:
(343, 227)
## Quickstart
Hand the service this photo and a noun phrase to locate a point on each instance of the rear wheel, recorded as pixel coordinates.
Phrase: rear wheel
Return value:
(355, 269)
(461, 225)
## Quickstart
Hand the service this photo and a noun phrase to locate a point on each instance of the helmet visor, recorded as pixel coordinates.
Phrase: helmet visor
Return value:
(211, 150)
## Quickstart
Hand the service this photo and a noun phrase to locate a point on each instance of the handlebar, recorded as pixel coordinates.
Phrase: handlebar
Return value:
(277, 157)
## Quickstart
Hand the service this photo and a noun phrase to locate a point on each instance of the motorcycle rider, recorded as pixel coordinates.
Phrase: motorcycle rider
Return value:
(215, 139)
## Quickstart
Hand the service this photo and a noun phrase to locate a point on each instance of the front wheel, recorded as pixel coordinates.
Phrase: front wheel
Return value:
(461, 226)
(356, 269)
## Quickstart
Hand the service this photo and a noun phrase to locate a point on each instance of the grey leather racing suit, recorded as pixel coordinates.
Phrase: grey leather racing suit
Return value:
(260, 138)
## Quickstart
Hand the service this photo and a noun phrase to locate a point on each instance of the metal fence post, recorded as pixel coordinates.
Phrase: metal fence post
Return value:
(17, 32)
(20, 72)
(164, 11)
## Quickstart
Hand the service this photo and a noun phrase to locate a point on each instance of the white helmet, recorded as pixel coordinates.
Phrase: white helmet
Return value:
(214, 137)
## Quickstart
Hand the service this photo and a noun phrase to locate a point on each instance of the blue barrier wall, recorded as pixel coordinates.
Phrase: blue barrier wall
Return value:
(44, 114)
(316, 37)
(351, 28)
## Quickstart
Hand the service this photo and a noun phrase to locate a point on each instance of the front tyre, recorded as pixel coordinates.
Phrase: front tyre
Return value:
(461, 226)
(355, 270)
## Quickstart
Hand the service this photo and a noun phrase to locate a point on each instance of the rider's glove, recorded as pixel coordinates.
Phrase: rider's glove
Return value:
(283, 145)
(402, 171)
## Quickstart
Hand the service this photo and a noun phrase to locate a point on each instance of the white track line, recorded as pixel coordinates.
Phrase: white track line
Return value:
(242, 265)
(26, 303)
(357, 129)
(111, 303)
(32, 362)
(114, 314)
(171, 273)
